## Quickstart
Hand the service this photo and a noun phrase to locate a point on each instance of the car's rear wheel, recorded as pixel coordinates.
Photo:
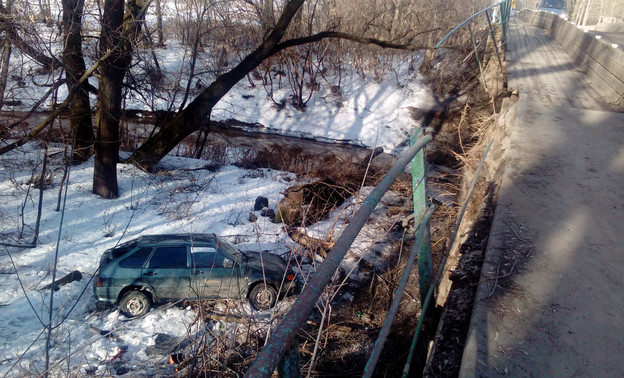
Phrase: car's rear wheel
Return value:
(134, 303)
(263, 297)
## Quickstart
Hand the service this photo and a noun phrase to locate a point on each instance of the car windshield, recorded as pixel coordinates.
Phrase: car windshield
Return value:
(230, 249)
(554, 4)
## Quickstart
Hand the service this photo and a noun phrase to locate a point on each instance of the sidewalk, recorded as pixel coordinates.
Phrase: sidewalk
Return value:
(550, 302)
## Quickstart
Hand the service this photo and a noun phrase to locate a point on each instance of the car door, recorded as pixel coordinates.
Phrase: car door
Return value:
(215, 275)
(167, 272)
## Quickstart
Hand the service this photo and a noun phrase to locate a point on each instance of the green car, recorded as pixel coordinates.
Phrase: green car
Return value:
(162, 268)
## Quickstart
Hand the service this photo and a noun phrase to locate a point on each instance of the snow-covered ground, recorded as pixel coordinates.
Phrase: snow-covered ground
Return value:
(366, 113)
(181, 198)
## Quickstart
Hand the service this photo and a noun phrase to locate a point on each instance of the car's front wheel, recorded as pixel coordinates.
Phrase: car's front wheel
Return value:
(263, 297)
(134, 303)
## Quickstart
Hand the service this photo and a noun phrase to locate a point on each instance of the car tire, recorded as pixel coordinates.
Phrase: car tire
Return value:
(134, 303)
(263, 297)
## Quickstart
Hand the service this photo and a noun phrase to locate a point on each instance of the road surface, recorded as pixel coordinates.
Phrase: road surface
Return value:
(550, 302)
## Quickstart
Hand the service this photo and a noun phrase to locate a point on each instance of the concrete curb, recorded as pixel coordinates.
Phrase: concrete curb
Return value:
(470, 358)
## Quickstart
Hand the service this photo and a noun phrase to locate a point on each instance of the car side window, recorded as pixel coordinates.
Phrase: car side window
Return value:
(203, 257)
(226, 261)
(137, 259)
(209, 257)
(169, 258)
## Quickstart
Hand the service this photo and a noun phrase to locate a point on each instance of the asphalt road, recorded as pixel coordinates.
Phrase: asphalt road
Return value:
(550, 302)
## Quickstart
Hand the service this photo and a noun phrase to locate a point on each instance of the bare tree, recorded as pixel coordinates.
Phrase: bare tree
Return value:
(159, 24)
(11, 30)
(399, 22)
(195, 114)
(79, 108)
(119, 32)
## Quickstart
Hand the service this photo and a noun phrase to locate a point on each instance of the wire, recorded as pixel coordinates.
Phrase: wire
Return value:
(25, 351)
(58, 242)
(24, 289)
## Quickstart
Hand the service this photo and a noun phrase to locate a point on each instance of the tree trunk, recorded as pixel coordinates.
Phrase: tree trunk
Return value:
(6, 55)
(4, 70)
(159, 25)
(119, 34)
(586, 15)
(425, 67)
(197, 112)
(109, 102)
(194, 53)
(79, 107)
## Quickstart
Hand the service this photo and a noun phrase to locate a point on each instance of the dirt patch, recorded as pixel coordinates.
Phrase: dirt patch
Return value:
(310, 203)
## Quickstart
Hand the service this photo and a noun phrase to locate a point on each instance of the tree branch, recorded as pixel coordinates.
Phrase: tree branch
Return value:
(9, 26)
(72, 91)
(350, 37)
(48, 120)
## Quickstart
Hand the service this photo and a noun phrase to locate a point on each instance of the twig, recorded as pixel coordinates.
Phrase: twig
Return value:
(512, 230)
(497, 277)
(317, 341)
(496, 280)
(391, 286)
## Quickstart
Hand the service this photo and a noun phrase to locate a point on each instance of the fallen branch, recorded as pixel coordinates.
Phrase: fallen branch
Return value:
(318, 246)
(68, 278)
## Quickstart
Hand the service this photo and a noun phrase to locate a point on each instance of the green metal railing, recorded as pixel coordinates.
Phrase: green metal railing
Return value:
(504, 12)
(504, 8)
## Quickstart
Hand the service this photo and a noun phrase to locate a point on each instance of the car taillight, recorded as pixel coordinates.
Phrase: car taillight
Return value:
(290, 277)
(100, 283)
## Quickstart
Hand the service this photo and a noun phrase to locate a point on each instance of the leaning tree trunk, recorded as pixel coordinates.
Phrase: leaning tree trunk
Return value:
(79, 108)
(11, 32)
(118, 35)
(196, 114)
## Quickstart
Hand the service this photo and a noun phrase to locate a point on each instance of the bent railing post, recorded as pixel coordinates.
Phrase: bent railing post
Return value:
(286, 331)
(425, 305)
(505, 13)
(425, 265)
